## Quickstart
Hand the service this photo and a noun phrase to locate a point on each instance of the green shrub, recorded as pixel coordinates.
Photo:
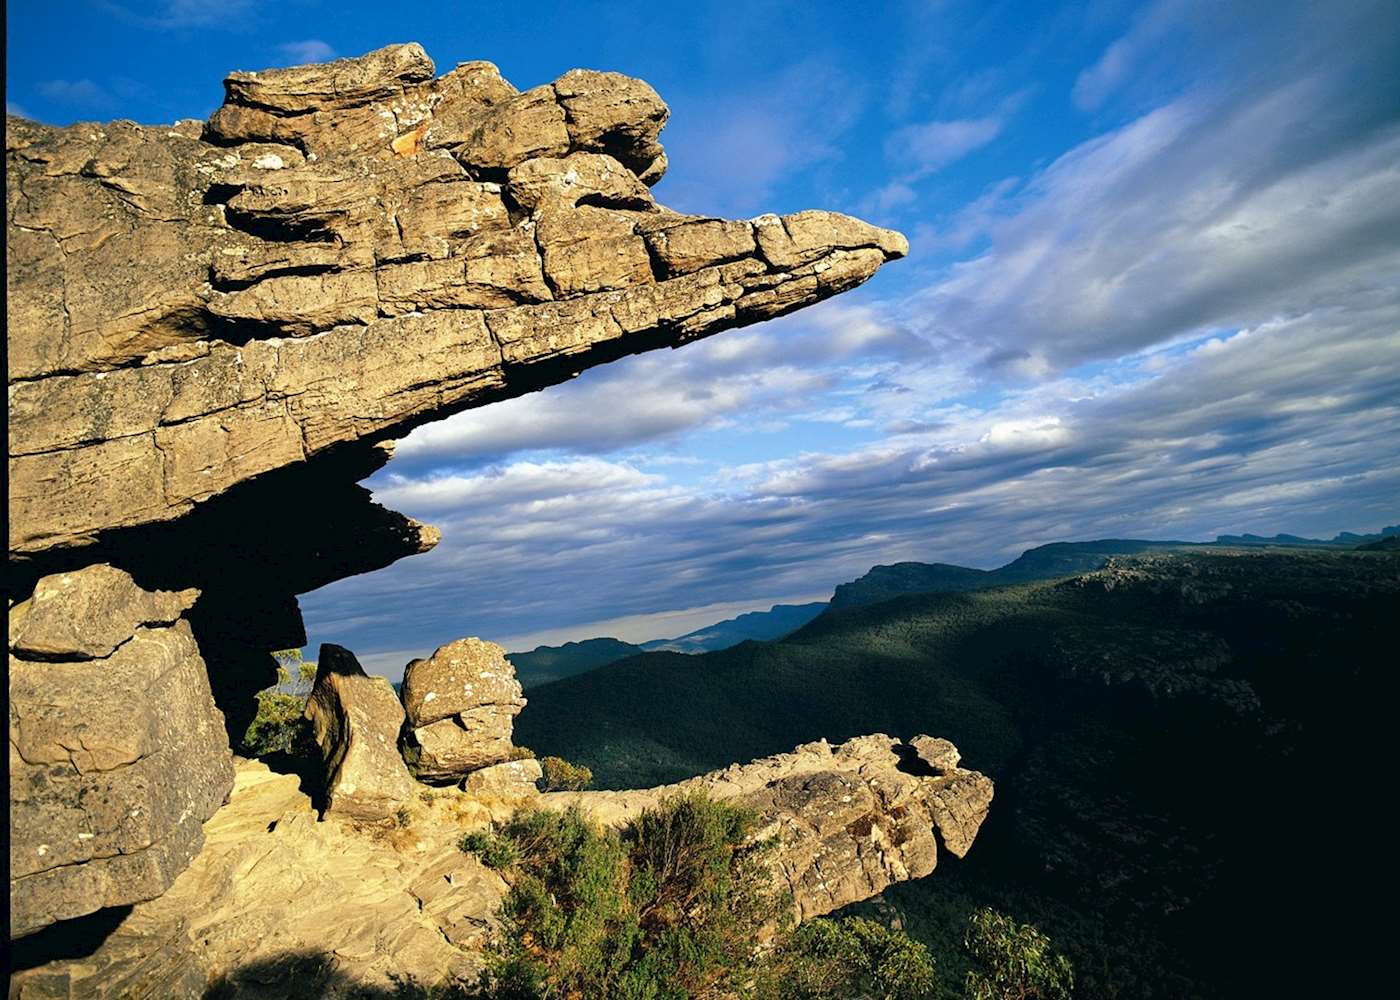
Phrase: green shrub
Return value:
(850, 957)
(562, 776)
(494, 852)
(1014, 961)
(278, 727)
(669, 908)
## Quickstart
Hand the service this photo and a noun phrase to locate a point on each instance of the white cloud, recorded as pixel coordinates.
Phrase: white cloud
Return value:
(310, 50)
(1198, 214)
(933, 145)
(82, 93)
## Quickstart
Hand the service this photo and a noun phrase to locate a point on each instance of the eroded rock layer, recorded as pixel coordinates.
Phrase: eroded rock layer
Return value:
(461, 705)
(850, 819)
(216, 329)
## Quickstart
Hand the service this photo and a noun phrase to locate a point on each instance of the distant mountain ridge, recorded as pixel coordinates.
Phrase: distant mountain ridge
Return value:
(1040, 563)
(885, 582)
(1341, 540)
(551, 663)
(762, 626)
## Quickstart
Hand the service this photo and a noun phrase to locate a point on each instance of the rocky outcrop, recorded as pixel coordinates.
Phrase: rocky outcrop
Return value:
(208, 318)
(355, 720)
(460, 705)
(319, 265)
(279, 905)
(116, 749)
(850, 820)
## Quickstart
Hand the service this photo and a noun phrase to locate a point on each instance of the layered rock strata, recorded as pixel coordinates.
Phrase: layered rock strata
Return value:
(323, 263)
(460, 705)
(116, 749)
(211, 323)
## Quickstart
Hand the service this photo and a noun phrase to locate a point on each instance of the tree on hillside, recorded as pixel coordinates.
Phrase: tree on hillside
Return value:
(1015, 961)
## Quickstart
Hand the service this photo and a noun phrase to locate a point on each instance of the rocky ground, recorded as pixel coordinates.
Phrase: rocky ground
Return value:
(278, 903)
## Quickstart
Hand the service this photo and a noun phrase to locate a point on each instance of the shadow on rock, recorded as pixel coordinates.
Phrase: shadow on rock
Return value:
(309, 974)
(66, 940)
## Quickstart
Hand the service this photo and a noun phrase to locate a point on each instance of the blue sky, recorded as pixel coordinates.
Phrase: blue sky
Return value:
(1154, 290)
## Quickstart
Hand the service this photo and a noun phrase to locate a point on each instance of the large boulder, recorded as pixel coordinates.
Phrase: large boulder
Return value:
(460, 705)
(117, 752)
(356, 720)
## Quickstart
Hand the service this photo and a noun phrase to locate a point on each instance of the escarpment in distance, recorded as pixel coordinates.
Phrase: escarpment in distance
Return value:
(216, 330)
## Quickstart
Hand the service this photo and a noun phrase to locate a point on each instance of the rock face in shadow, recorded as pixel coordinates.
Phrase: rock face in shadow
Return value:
(355, 720)
(850, 820)
(216, 329)
(116, 749)
(461, 703)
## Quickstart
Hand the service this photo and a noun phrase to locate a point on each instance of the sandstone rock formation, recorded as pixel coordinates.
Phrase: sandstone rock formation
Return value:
(278, 905)
(355, 720)
(116, 749)
(460, 704)
(850, 819)
(207, 318)
(216, 330)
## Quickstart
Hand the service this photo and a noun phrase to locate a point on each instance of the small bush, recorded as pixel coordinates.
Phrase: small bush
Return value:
(520, 753)
(1015, 961)
(562, 776)
(278, 727)
(402, 816)
(672, 907)
(830, 959)
(494, 852)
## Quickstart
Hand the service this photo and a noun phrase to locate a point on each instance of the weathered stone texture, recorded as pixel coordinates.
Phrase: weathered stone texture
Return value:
(341, 252)
(356, 720)
(117, 753)
(850, 820)
(278, 905)
(207, 318)
(461, 704)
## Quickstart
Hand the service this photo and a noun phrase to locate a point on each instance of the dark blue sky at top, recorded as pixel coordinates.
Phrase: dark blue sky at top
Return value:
(1152, 291)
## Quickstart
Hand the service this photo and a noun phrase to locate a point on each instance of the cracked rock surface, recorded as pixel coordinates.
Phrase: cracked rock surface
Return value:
(116, 749)
(216, 329)
(850, 819)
